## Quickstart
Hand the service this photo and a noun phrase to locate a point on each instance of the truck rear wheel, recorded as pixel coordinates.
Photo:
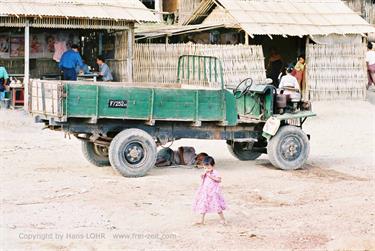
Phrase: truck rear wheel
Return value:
(289, 148)
(240, 151)
(133, 153)
(95, 154)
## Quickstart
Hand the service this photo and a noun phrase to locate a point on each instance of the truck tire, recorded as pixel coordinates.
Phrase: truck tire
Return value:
(238, 151)
(133, 153)
(95, 154)
(289, 148)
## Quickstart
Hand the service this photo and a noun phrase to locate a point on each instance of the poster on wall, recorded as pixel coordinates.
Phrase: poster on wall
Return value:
(37, 44)
(17, 47)
(4, 45)
(50, 44)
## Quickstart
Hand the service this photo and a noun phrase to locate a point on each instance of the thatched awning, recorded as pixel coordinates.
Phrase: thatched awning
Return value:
(285, 17)
(83, 14)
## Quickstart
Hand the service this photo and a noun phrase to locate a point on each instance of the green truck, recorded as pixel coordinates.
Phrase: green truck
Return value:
(121, 124)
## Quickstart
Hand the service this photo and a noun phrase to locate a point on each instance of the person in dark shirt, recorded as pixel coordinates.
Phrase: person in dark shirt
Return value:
(69, 61)
(274, 67)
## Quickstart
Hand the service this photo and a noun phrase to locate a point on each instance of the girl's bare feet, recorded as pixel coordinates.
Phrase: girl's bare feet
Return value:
(223, 222)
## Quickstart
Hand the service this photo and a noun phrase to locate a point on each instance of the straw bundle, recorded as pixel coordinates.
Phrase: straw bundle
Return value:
(336, 71)
(158, 63)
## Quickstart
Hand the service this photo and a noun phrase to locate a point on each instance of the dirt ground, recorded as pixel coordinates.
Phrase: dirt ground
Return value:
(52, 199)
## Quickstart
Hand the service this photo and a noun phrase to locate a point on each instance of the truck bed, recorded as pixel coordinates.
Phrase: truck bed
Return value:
(62, 100)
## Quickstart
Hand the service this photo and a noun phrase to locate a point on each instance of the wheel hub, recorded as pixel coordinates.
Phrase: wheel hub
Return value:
(101, 150)
(291, 148)
(134, 153)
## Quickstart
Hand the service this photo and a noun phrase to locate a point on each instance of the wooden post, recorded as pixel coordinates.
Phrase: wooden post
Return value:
(306, 92)
(26, 79)
(130, 52)
(246, 38)
(159, 9)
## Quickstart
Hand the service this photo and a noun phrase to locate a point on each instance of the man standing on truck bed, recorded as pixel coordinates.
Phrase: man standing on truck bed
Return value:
(69, 62)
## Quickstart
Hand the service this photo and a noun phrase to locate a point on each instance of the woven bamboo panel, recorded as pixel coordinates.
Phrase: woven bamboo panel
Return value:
(158, 63)
(336, 71)
(365, 8)
(119, 64)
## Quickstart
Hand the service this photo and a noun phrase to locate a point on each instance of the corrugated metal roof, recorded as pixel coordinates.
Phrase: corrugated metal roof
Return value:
(288, 17)
(128, 10)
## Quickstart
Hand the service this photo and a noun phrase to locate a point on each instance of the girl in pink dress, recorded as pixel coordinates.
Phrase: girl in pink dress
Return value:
(209, 198)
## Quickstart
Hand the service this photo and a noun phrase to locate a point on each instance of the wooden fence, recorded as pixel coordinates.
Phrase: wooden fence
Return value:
(336, 71)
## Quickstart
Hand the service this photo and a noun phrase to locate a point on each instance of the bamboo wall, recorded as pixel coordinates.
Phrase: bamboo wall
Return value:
(369, 12)
(119, 64)
(336, 71)
(157, 63)
(365, 8)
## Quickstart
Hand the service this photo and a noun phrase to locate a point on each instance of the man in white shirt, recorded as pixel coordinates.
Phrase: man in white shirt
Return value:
(370, 61)
(290, 85)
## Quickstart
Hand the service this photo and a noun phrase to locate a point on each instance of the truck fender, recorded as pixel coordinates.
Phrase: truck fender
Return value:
(271, 127)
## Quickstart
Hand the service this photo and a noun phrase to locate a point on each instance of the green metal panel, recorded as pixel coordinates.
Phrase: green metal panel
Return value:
(268, 106)
(92, 101)
(81, 100)
(258, 100)
(231, 109)
(138, 102)
(209, 105)
(174, 104)
(249, 105)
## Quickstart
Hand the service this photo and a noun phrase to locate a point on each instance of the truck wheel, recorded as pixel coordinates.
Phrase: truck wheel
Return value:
(239, 151)
(133, 152)
(95, 154)
(289, 148)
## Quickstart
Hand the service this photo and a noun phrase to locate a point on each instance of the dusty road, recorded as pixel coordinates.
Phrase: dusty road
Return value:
(52, 199)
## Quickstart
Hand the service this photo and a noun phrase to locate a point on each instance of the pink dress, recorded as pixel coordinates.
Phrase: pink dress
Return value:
(209, 198)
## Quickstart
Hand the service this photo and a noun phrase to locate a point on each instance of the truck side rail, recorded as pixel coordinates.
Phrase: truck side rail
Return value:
(200, 70)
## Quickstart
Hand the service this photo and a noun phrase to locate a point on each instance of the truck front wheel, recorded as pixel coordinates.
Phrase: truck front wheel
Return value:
(95, 154)
(289, 148)
(240, 151)
(132, 153)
